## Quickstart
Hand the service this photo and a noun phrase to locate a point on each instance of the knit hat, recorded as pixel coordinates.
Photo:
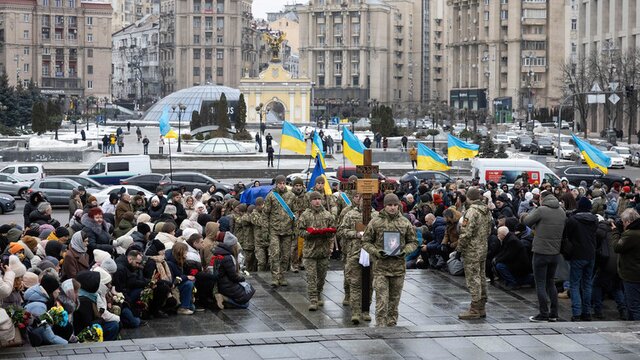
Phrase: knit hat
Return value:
(105, 278)
(30, 279)
(61, 232)
(100, 256)
(46, 264)
(154, 198)
(91, 199)
(93, 212)
(225, 223)
(186, 233)
(528, 196)
(89, 280)
(45, 230)
(16, 266)
(319, 180)
(109, 265)
(298, 181)
(143, 218)
(314, 195)
(31, 242)
(15, 248)
(626, 189)
(143, 228)
(503, 198)
(535, 191)
(170, 209)
(49, 283)
(391, 199)
(473, 194)
(279, 179)
(584, 204)
(14, 234)
(158, 245)
(128, 216)
(203, 219)
(5, 228)
(230, 239)
(124, 241)
(437, 199)
(259, 201)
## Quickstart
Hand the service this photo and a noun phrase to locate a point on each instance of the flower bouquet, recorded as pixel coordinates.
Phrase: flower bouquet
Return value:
(93, 333)
(57, 315)
(117, 300)
(19, 316)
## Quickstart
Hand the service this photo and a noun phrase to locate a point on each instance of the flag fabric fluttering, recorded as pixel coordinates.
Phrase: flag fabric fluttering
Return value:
(430, 160)
(593, 157)
(293, 139)
(318, 171)
(165, 129)
(316, 149)
(353, 147)
(458, 149)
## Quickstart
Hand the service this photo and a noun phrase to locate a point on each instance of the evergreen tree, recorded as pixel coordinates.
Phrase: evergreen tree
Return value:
(382, 121)
(221, 117)
(39, 123)
(8, 99)
(54, 116)
(24, 104)
(487, 148)
(501, 153)
(241, 117)
(195, 120)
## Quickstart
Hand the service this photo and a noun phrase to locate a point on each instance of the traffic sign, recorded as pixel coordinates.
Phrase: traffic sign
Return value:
(596, 88)
(614, 99)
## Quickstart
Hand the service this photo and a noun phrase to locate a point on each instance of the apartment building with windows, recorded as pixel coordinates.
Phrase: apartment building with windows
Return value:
(434, 54)
(127, 12)
(59, 44)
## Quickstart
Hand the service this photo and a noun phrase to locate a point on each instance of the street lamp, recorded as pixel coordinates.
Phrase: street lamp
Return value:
(181, 108)
(259, 111)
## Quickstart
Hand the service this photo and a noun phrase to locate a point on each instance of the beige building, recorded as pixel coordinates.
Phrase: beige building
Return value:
(127, 12)
(60, 45)
(360, 51)
(289, 24)
(505, 55)
(434, 54)
(201, 42)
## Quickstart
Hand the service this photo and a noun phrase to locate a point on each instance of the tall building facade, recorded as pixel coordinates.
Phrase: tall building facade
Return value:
(505, 55)
(59, 44)
(359, 51)
(127, 12)
(289, 24)
(135, 60)
(434, 55)
(201, 42)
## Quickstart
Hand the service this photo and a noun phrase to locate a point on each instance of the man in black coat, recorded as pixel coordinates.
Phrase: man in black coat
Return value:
(503, 207)
(512, 261)
(181, 213)
(128, 279)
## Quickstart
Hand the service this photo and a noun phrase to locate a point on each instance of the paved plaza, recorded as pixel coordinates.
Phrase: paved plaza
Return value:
(277, 325)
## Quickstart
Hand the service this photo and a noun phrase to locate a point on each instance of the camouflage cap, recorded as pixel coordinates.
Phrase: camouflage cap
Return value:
(259, 201)
(319, 180)
(241, 207)
(473, 194)
(280, 178)
(298, 181)
(391, 199)
(314, 195)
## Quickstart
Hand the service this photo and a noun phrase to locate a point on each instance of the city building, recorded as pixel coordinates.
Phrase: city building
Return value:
(360, 52)
(60, 45)
(288, 8)
(135, 64)
(289, 24)
(434, 70)
(505, 55)
(201, 42)
(127, 12)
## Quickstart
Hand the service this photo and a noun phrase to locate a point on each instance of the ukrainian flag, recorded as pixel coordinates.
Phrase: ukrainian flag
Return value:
(318, 171)
(353, 147)
(429, 160)
(165, 129)
(316, 149)
(594, 157)
(459, 149)
(292, 139)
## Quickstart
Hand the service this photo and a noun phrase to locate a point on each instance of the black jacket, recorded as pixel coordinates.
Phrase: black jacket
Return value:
(98, 234)
(581, 230)
(513, 253)
(181, 213)
(228, 278)
(39, 218)
(156, 212)
(126, 279)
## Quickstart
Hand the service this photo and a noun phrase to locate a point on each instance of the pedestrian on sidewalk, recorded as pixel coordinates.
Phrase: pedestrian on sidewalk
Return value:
(367, 142)
(105, 143)
(160, 145)
(404, 142)
(330, 144)
(385, 143)
(413, 155)
(145, 144)
(83, 135)
(120, 142)
(268, 139)
(112, 143)
(270, 152)
(378, 138)
(139, 133)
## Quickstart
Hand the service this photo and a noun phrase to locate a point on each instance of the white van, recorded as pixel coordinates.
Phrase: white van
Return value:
(111, 169)
(509, 170)
(25, 171)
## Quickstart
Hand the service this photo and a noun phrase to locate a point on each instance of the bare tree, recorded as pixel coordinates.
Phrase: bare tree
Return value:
(578, 78)
(605, 71)
(629, 76)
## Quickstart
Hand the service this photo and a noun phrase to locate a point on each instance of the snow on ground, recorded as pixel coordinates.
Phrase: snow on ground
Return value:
(45, 143)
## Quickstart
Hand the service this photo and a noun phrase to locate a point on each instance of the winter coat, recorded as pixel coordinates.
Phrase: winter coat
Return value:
(31, 205)
(438, 229)
(514, 255)
(475, 229)
(39, 218)
(277, 218)
(99, 237)
(316, 246)
(627, 245)
(37, 301)
(86, 314)
(122, 228)
(6, 284)
(548, 221)
(581, 230)
(452, 231)
(121, 208)
(156, 212)
(126, 279)
(228, 278)
(73, 263)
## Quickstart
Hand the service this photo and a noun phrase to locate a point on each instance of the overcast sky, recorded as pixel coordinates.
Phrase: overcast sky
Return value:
(261, 7)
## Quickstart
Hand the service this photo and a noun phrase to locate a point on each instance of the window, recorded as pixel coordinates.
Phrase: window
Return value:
(220, 24)
(338, 80)
(534, 61)
(72, 3)
(89, 53)
(321, 80)
(45, 2)
(196, 39)
(356, 80)
(25, 68)
(98, 168)
(25, 34)
(25, 51)
(534, 14)
(118, 166)
(207, 73)
(220, 39)
(90, 84)
(486, 16)
(89, 20)
(504, 14)
(196, 71)
(26, 18)
(58, 3)
(89, 37)
(220, 54)
(219, 71)
(574, 24)
(196, 22)
(208, 54)
(90, 69)
(196, 54)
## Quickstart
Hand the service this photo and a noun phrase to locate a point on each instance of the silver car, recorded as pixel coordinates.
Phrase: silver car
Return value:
(57, 190)
(13, 186)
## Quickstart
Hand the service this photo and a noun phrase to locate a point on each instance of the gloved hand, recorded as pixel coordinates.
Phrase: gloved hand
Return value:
(381, 254)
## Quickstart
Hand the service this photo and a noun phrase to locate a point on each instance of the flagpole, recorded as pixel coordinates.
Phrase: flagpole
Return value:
(279, 153)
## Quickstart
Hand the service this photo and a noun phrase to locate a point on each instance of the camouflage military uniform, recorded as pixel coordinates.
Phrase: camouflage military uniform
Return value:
(298, 205)
(388, 271)
(472, 244)
(261, 238)
(316, 249)
(328, 202)
(280, 234)
(247, 241)
(353, 270)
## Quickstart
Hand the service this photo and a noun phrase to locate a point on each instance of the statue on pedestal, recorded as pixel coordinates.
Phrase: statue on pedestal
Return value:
(274, 39)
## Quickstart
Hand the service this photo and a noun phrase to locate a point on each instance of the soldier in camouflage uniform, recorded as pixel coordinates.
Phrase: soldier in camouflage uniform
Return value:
(313, 225)
(328, 200)
(249, 246)
(388, 270)
(298, 205)
(260, 235)
(280, 230)
(342, 207)
(352, 244)
(472, 245)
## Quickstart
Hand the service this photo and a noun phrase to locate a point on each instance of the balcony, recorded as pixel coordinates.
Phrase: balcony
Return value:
(534, 37)
(61, 83)
(533, 21)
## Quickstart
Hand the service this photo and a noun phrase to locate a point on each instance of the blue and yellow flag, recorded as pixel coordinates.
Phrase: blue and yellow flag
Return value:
(429, 160)
(459, 149)
(353, 147)
(293, 139)
(594, 157)
(316, 149)
(165, 129)
(318, 171)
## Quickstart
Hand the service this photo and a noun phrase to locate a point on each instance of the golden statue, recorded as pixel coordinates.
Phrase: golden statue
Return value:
(274, 39)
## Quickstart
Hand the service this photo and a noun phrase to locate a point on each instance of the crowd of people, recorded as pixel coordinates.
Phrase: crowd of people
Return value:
(131, 259)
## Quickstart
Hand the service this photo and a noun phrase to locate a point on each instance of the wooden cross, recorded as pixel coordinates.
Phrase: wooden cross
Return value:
(366, 187)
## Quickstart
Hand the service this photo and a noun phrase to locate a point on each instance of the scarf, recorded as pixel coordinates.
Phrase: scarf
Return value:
(77, 244)
(91, 296)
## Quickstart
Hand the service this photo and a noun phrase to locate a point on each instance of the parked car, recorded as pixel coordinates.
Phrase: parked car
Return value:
(25, 171)
(415, 177)
(13, 186)
(191, 180)
(565, 151)
(147, 181)
(624, 152)
(576, 173)
(617, 161)
(87, 182)
(103, 195)
(541, 146)
(523, 143)
(512, 136)
(306, 174)
(7, 203)
(458, 127)
(57, 190)
(563, 125)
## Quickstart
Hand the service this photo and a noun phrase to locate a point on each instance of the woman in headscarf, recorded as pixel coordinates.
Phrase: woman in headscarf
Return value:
(189, 205)
(229, 278)
(38, 300)
(88, 312)
(68, 299)
(76, 259)
(155, 208)
(74, 202)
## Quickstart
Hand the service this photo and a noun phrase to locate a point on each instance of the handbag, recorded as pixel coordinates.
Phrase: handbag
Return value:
(248, 288)
(455, 266)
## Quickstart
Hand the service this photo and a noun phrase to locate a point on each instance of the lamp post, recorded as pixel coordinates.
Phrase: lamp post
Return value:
(260, 132)
(181, 108)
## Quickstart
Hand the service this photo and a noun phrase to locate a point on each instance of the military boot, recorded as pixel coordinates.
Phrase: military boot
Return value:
(366, 316)
(283, 281)
(346, 301)
(320, 302)
(313, 306)
(482, 309)
(355, 318)
(472, 314)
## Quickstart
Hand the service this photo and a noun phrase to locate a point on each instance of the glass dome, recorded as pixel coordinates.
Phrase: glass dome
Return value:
(192, 98)
(221, 146)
